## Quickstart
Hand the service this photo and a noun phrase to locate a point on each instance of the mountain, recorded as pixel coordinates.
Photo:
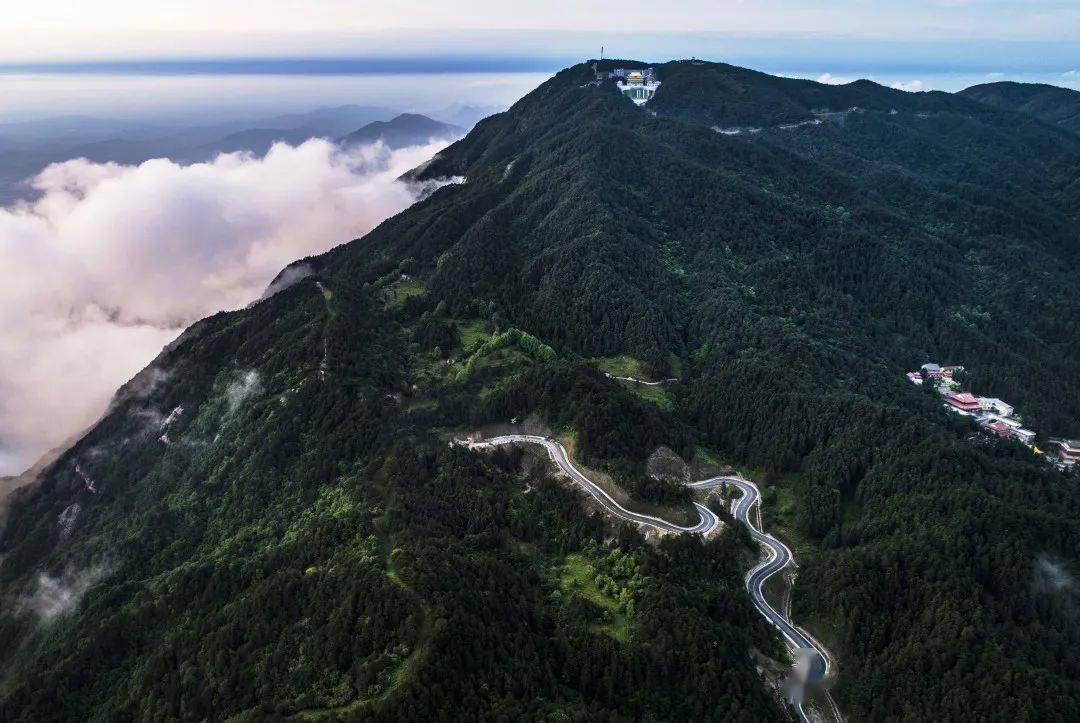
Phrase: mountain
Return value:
(26, 148)
(329, 122)
(1050, 103)
(464, 115)
(253, 140)
(407, 129)
(272, 520)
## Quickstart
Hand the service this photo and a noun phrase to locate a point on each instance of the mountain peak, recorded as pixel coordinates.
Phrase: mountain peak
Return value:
(405, 129)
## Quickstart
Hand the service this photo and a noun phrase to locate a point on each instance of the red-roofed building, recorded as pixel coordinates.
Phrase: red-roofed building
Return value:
(1000, 429)
(964, 401)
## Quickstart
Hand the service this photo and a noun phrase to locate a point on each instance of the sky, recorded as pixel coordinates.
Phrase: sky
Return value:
(50, 30)
(220, 93)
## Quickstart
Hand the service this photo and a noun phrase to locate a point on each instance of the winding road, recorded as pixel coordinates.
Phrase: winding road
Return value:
(778, 555)
(557, 452)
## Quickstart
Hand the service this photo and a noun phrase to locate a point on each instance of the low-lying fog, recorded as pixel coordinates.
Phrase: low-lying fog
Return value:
(117, 230)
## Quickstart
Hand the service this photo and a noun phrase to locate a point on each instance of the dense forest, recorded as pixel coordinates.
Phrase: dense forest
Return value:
(299, 539)
(305, 544)
(1049, 103)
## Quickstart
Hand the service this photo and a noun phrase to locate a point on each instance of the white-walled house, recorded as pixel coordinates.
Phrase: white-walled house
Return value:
(995, 405)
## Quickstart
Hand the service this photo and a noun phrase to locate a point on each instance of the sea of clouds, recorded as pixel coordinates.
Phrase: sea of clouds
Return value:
(113, 261)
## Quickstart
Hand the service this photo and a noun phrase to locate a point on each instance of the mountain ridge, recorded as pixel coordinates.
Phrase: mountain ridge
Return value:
(1050, 103)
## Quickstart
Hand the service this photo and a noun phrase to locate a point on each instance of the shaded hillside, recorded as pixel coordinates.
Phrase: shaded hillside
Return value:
(306, 540)
(1049, 103)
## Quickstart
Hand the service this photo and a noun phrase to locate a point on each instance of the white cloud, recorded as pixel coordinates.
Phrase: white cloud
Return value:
(911, 85)
(52, 597)
(291, 275)
(241, 390)
(113, 261)
(830, 79)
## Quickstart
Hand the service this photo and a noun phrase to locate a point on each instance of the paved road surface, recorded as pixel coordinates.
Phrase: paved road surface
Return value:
(642, 382)
(779, 556)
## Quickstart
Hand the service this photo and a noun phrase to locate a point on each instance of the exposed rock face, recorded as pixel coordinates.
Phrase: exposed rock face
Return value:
(664, 464)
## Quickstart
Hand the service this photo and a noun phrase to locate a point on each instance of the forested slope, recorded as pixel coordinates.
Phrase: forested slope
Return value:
(305, 540)
(792, 267)
(1050, 103)
(299, 540)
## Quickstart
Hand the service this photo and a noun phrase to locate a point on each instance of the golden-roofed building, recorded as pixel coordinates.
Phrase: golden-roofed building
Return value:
(637, 85)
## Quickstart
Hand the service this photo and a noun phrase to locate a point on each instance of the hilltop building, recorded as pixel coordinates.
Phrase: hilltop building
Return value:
(637, 85)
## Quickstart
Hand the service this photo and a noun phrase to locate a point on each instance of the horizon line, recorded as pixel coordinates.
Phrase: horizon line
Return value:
(296, 65)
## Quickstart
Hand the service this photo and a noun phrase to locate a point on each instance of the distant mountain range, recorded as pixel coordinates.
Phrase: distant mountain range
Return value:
(26, 148)
(1050, 103)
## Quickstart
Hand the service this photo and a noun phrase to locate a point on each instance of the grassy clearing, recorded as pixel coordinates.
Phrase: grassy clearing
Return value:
(399, 292)
(577, 576)
(659, 396)
(619, 366)
(628, 366)
(472, 332)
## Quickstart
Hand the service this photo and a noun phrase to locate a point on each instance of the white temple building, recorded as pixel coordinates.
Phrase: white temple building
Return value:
(638, 85)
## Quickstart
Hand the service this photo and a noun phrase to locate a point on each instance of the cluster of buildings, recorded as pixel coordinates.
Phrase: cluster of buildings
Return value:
(637, 85)
(992, 414)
